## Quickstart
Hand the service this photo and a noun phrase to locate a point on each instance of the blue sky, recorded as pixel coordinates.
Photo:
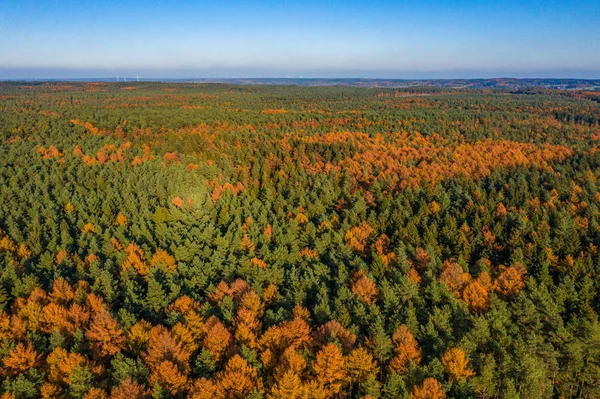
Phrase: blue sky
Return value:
(389, 39)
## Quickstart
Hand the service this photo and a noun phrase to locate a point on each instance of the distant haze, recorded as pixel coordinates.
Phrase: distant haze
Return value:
(364, 39)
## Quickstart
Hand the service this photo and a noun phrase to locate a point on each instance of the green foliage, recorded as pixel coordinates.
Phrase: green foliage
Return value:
(145, 194)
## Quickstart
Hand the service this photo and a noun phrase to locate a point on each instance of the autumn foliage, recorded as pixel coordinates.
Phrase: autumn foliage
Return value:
(202, 241)
(104, 334)
(330, 369)
(364, 288)
(430, 389)
(407, 351)
(456, 364)
(510, 281)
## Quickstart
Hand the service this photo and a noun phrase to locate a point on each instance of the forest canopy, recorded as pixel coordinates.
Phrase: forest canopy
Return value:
(230, 241)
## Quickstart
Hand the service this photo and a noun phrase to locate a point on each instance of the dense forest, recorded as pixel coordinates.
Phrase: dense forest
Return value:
(229, 241)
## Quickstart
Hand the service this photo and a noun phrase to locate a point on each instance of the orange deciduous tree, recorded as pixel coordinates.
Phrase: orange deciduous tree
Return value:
(234, 290)
(184, 304)
(422, 259)
(195, 322)
(61, 365)
(289, 386)
(56, 317)
(357, 236)
(184, 335)
(135, 259)
(510, 281)
(121, 220)
(104, 334)
(61, 291)
(246, 244)
(296, 333)
(88, 228)
(50, 391)
(129, 389)
(434, 207)
(383, 249)
(162, 257)
(308, 253)
(456, 364)
(248, 319)
(407, 350)
(168, 376)
(163, 346)
(431, 389)
(290, 361)
(171, 157)
(301, 218)
(23, 252)
(19, 360)
(454, 277)
(77, 151)
(61, 256)
(270, 293)
(360, 365)
(203, 389)
(177, 201)
(78, 317)
(476, 297)
(138, 335)
(501, 210)
(261, 264)
(330, 369)
(334, 330)
(364, 288)
(413, 275)
(95, 303)
(217, 338)
(237, 380)
(268, 232)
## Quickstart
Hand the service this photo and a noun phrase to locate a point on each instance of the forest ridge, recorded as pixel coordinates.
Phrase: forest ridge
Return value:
(174, 240)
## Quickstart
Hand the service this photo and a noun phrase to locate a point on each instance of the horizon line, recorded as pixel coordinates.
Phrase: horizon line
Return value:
(136, 79)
